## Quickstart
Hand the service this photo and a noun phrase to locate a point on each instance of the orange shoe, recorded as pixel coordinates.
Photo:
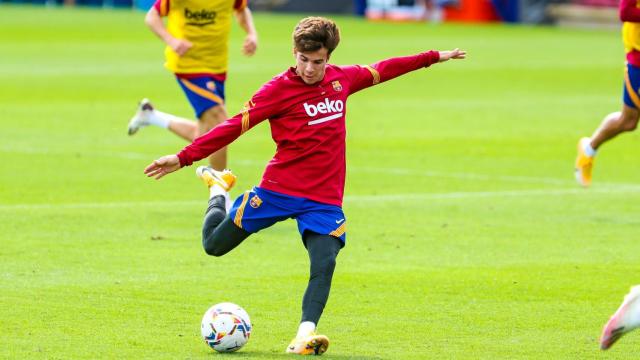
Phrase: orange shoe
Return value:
(225, 178)
(584, 164)
(310, 345)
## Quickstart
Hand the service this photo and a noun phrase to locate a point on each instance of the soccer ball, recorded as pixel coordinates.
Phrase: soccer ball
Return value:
(226, 327)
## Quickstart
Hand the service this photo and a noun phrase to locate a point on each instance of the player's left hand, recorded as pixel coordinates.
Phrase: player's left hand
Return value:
(250, 45)
(453, 54)
(162, 166)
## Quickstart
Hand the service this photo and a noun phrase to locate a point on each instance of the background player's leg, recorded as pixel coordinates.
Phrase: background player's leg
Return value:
(148, 115)
(208, 120)
(614, 124)
(219, 233)
(323, 250)
(186, 129)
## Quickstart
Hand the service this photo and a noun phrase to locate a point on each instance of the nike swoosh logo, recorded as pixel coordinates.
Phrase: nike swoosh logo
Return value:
(339, 221)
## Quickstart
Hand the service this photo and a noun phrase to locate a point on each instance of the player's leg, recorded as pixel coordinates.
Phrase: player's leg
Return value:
(625, 319)
(225, 227)
(323, 250)
(147, 115)
(209, 119)
(615, 124)
(612, 125)
(219, 233)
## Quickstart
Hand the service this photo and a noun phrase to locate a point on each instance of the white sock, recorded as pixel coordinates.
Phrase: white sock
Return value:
(228, 203)
(158, 118)
(216, 190)
(590, 151)
(305, 329)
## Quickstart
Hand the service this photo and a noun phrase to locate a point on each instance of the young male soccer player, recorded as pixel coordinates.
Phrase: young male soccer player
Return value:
(196, 35)
(624, 320)
(627, 119)
(306, 107)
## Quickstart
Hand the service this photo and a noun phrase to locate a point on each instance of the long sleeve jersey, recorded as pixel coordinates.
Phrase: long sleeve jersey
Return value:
(307, 124)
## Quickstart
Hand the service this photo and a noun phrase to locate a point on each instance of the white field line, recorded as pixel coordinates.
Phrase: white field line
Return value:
(568, 181)
(348, 199)
(483, 177)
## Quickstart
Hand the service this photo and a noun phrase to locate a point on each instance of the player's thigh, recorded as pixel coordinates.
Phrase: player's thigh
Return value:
(213, 116)
(255, 210)
(203, 93)
(629, 117)
(324, 220)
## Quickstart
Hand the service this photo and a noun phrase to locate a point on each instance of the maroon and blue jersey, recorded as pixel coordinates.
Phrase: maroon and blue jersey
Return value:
(308, 125)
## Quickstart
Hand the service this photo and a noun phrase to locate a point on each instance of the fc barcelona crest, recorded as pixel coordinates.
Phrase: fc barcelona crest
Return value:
(337, 86)
(255, 202)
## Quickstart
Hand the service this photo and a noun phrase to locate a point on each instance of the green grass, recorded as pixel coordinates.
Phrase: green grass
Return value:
(467, 236)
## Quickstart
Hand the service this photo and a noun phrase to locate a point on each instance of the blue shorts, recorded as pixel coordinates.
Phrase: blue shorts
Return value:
(203, 92)
(259, 208)
(631, 86)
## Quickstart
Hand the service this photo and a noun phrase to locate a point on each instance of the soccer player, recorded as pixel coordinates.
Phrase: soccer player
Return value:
(627, 119)
(306, 107)
(196, 35)
(624, 320)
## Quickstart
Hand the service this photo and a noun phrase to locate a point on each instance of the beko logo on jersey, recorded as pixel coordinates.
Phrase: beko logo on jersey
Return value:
(324, 107)
(327, 106)
(200, 17)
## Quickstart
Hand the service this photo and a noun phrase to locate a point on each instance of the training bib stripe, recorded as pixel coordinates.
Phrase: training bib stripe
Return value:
(632, 94)
(238, 219)
(245, 121)
(202, 92)
(374, 73)
(340, 230)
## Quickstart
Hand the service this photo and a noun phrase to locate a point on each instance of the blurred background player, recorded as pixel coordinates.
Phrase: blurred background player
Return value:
(625, 319)
(306, 107)
(197, 37)
(627, 119)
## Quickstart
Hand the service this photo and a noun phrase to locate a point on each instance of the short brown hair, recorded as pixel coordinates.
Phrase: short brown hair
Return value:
(313, 33)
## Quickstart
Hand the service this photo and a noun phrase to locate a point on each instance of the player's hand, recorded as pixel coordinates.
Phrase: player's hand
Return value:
(162, 166)
(180, 46)
(250, 44)
(453, 54)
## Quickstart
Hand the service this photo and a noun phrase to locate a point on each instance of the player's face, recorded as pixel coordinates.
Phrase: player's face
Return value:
(310, 66)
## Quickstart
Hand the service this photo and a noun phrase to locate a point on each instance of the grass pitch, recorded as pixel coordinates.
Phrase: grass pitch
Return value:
(467, 235)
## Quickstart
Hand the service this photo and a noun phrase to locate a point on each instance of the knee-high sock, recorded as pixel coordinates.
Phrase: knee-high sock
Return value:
(323, 250)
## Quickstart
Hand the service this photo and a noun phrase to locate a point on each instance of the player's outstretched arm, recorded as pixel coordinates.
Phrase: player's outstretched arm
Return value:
(453, 54)
(162, 166)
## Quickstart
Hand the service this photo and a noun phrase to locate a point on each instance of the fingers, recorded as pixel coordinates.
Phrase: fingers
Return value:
(150, 168)
(156, 168)
(249, 47)
(153, 171)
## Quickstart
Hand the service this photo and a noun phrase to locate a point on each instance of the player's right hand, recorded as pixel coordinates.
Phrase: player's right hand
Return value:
(180, 46)
(453, 54)
(162, 166)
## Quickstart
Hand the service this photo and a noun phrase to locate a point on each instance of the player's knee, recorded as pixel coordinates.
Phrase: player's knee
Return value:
(324, 267)
(211, 248)
(630, 124)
